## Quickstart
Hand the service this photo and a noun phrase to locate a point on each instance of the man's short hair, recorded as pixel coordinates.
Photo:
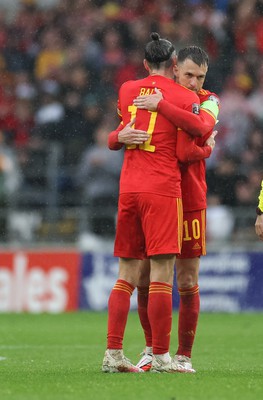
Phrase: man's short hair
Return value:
(194, 53)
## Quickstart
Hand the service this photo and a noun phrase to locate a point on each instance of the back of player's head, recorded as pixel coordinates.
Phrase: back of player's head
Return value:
(194, 53)
(159, 50)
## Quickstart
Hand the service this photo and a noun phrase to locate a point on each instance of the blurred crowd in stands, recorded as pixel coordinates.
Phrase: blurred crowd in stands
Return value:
(61, 67)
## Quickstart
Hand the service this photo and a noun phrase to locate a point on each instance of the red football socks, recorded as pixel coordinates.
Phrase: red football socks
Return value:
(118, 309)
(188, 316)
(142, 300)
(160, 315)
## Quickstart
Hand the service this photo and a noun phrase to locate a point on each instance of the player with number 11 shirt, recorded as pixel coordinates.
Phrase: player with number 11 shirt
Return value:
(156, 157)
(152, 167)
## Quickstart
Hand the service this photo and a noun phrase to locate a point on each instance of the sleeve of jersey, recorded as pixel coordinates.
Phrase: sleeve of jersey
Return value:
(260, 198)
(187, 151)
(195, 124)
(113, 142)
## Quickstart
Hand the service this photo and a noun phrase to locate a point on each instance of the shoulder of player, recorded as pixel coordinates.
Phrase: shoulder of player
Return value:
(185, 91)
(134, 83)
(204, 95)
(127, 84)
(204, 92)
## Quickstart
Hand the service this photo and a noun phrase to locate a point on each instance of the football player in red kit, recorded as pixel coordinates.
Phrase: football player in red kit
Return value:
(149, 222)
(191, 70)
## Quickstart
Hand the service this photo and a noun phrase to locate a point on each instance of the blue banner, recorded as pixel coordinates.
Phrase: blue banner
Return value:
(229, 282)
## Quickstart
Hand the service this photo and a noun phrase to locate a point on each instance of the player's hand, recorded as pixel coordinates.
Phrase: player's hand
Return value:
(149, 102)
(211, 140)
(259, 226)
(129, 135)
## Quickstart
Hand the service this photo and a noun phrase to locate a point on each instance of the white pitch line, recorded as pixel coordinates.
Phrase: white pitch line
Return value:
(44, 346)
(2, 358)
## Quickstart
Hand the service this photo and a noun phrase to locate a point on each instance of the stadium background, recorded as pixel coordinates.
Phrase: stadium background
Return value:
(61, 64)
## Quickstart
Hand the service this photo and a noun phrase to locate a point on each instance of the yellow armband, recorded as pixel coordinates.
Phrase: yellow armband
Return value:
(211, 107)
(260, 198)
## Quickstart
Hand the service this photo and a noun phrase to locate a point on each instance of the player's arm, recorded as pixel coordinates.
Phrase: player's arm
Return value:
(188, 151)
(113, 141)
(201, 147)
(195, 124)
(259, 220)
(126, 135)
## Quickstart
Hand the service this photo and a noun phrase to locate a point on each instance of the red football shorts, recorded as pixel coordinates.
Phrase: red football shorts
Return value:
(194, 224)
(148, 224)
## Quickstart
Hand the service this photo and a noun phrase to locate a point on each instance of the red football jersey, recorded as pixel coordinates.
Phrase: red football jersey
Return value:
(201, 123)
(153, 167)
(192, 152)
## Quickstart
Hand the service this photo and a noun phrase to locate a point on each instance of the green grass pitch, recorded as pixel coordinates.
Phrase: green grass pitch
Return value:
(59, 357)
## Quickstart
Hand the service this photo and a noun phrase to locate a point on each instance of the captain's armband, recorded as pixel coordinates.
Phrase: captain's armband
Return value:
(260, 198)
(211, 107)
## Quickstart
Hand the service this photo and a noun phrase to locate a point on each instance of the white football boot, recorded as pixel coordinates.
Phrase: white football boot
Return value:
(183, 364)
(145, 361)
(115, 361)
(162, 363)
